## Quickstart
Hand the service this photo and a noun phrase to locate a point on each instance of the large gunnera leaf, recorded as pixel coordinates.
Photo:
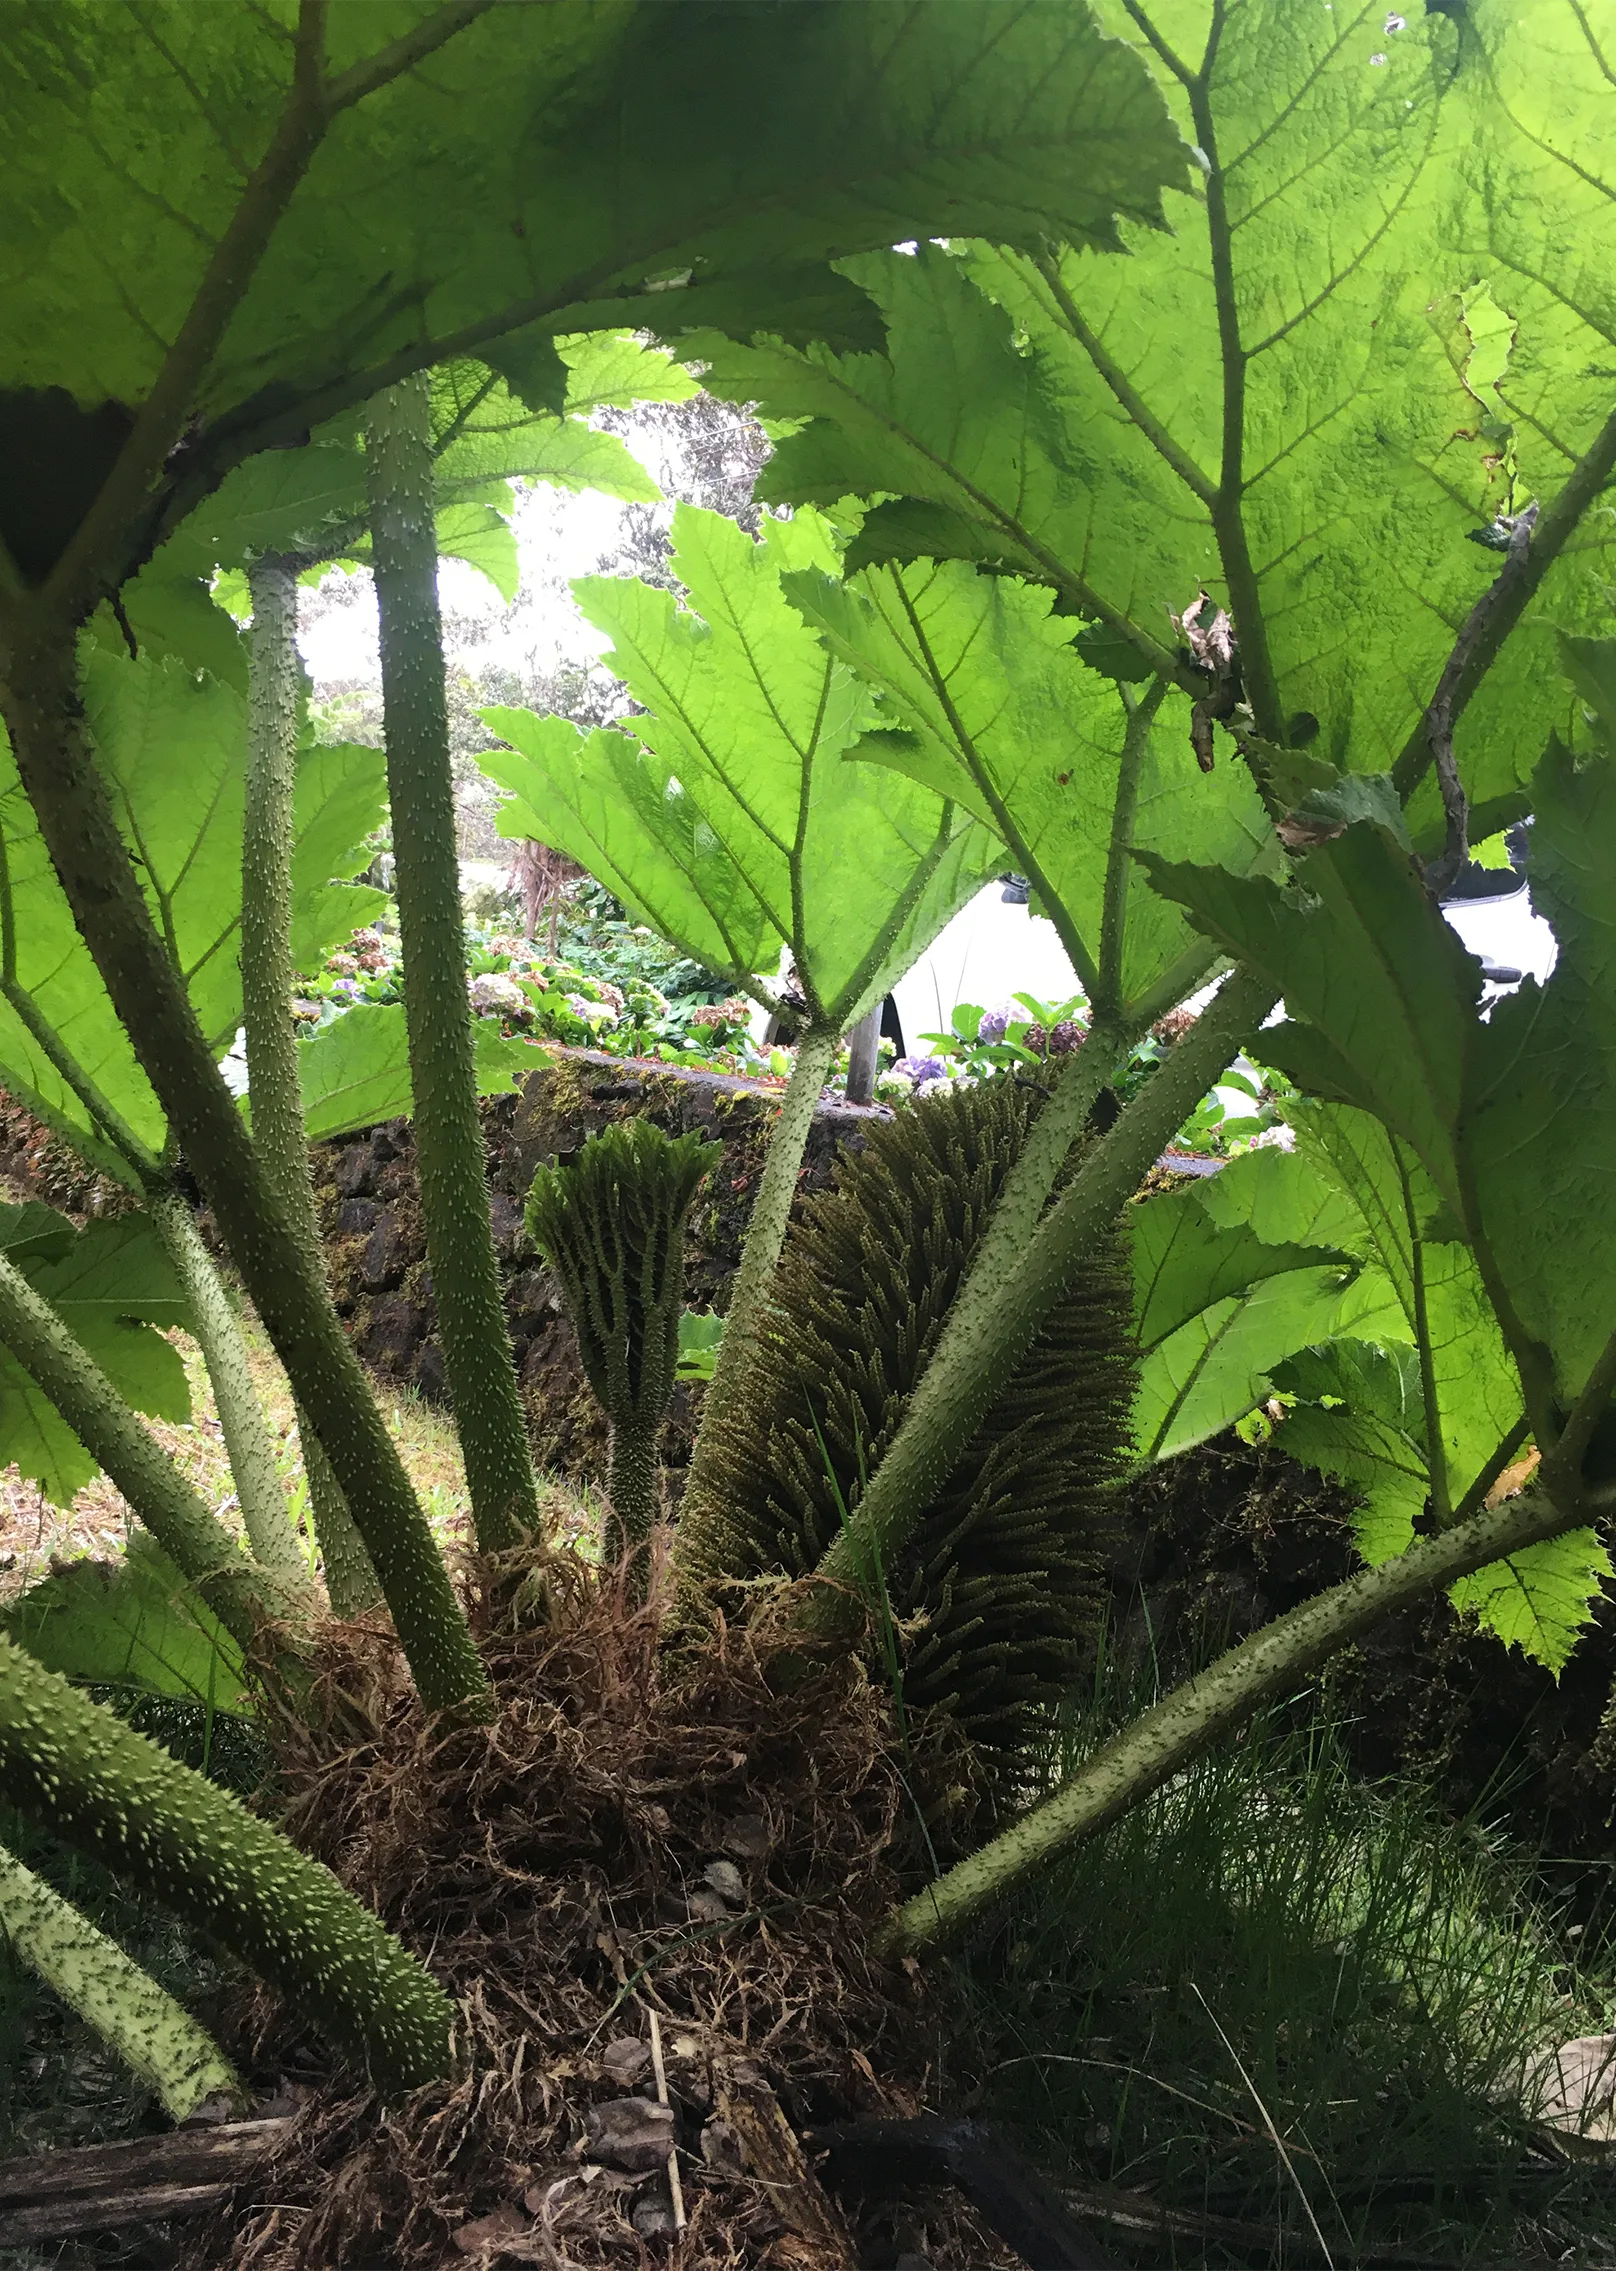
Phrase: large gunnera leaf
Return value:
(310, 503)
(1369, 337)
(1507, 1114)
(173, 745)
(1221, 1299)
(1417, 1431)
(1002, 713)
(1540, 1127)
(133, 1623)
(738, 820)
(111, 1285)
(609, 804)
(478, 172)
(1381, 991)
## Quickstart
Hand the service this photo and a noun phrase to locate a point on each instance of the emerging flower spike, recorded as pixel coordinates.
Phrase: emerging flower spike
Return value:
(612, 1226)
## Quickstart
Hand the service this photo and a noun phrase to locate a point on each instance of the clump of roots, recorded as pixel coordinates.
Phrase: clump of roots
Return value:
(635, 1832)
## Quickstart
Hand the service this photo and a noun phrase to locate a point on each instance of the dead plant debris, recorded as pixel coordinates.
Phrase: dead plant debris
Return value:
(636, 1832)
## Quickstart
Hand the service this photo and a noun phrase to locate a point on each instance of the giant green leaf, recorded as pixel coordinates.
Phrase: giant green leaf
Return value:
(310, 502)
(131, 1623)
(1222, 1294)
(173, 748)
(296, 501)
(1509, 1115)
(1386, 989)
(1384, 1198)
(1284, 1198)
(57, 976)
(111, 1284)
(612, 370)
(1006, 717)
(1368, 1416)
(1436, 1282)
(173, 744)
(1292, 402)
(770, 833)
(482, 537)
(170, 613)
(1216, 1367)
(1540, 1599)
(1477, 1388)
(476, 170)
(1359, 1418)
(609, 804)
(339, 800)
(1184, 1262)
(355, 1072)
(482, 432)
(1532, 216)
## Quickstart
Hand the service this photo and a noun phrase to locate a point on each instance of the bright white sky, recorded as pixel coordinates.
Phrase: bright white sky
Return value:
(558, 536)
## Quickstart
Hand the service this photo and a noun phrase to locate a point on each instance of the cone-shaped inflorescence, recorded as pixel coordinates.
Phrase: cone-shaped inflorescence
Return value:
(997, 1588)
(612, 1226)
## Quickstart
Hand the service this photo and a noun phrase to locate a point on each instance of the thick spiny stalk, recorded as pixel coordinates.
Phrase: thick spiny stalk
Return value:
(77, 821)
(448, 1129)
(631, 1489)
(268, 834)
(153, 2035)
(765, 1236)
(76, 1769)
(1017, 1278)
(1153, 1747)
(240, 1595)
(241, 1416)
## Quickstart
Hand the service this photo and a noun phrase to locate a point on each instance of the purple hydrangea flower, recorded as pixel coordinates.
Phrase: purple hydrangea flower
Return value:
(995, 1024)
(921, 1069)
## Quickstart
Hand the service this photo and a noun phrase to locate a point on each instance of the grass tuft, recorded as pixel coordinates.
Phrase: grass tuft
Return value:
(1299, 2012)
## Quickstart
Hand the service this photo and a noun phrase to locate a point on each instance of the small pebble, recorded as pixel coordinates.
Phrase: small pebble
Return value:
(627, 2060)
(629, 2133)
(721, 2148)
(652, 2213)
(726, 1880)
